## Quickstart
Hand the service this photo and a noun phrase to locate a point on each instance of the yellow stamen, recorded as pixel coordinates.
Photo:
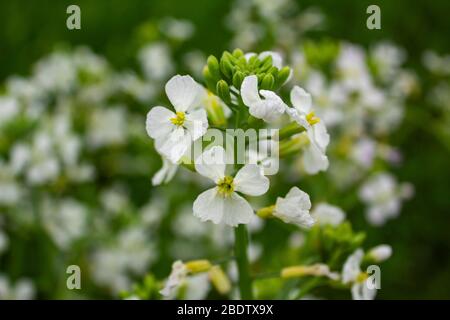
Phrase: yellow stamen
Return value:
(312, 119)
(179, 119)
(362, 277)
(226, 186)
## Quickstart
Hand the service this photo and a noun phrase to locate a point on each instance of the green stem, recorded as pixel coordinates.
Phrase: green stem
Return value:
(240, 251)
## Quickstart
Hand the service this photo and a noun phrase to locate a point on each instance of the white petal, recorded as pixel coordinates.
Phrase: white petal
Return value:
(298, 117)
(249, 180)
(232, 210)
(277, 60)
(165, 174)
(294, 208)
(158, 123)
(301, 100)
(269, 109)
(320, 135)
(212, 163)
(314, 160)
(351, 268)
(197, 123)
(182, 92)
(175, 145)
(249, 91)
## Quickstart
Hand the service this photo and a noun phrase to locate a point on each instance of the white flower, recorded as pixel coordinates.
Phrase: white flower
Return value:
(155, 61)
(174, 132)
(294, 208)
(352, 274)
(165, 174)
(381, 252)
(314, 158)
(222, 204)
(384, 196)
(326, 214)
(9, 107)
(23, 289)
(176, 278)
(269, 109)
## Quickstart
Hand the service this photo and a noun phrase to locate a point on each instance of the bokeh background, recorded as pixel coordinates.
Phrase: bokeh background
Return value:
(117, 30)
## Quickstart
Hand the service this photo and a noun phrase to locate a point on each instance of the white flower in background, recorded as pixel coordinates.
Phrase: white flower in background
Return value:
(351, 67)
(43, 164)
(294, 208)
(165, 174)
(175, 132)
(327, 214)
(388, 58)
(176, 278)
(155, 61)
(177, 29)
(438, 64)
(56, 73)
(269, 109)
(107, 126)
(130, 83)
(222, 204)
(65, 221)
(380, 253)
(363, 152)
(23, 289)
(314, 158)
(197, 287)
(352, 274)
(10, 190)
(383, 196)
(9, 108)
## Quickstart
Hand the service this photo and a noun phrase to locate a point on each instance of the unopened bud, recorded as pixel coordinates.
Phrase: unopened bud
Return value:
(196, 266)
(219, 280)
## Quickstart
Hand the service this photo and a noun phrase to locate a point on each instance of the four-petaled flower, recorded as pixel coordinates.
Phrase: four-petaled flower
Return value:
(174, 132)
(294, 208)
(222, 204)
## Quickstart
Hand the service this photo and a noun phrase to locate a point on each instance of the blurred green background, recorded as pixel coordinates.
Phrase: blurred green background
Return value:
(420, 266)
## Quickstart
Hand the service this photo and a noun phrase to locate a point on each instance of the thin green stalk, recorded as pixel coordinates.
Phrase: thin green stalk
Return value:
(240, 252)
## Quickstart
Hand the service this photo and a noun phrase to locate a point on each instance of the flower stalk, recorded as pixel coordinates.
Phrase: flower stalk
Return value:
(240, 251)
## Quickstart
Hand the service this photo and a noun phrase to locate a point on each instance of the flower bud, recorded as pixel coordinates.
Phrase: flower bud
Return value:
(196, 266)
(380, 253)
(265, 212)
(223, 91)
(237, 53)
(267, 82)
(213, 66)
(226, 67)
(283, 76)
(219, 280)
(237, 79)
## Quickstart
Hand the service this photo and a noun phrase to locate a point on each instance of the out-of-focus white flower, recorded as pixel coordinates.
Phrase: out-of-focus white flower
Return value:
(269, 109)
(351, 67)
(352, 274)
(388, 58)
(23, 289)
(10, 190)
(380, 253)
(176, 278)
(9, 108)
(294, 208)
(107, 126)
(327, 214)
(175, 132)
(363, 152)
(56, 73)
(314, 158)
(197, 287)
(177, 29)
(384, 196)
(222, 204)
(436, 63)
(156, 62)
(65, 221)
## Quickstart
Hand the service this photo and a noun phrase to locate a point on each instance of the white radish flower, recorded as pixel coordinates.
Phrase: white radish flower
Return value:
(294, 208)
(176, 278)
(222, 204)
(268, 109)
(174, 132)
(314, 158)
(351, 273)
(327, 214)
(165, 174)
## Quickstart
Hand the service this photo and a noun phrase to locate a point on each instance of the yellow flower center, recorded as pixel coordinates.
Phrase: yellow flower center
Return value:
(312, 119)
(362, 277)
(178, 120)
(225, 186)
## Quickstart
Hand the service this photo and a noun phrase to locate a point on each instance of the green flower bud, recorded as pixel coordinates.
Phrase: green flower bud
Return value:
(223, 91)
(268, 82)
(213, 66)
(226, 67)
(266, 63)
(238, 53)
(210, 82)
(283, 76)
(237, 79)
